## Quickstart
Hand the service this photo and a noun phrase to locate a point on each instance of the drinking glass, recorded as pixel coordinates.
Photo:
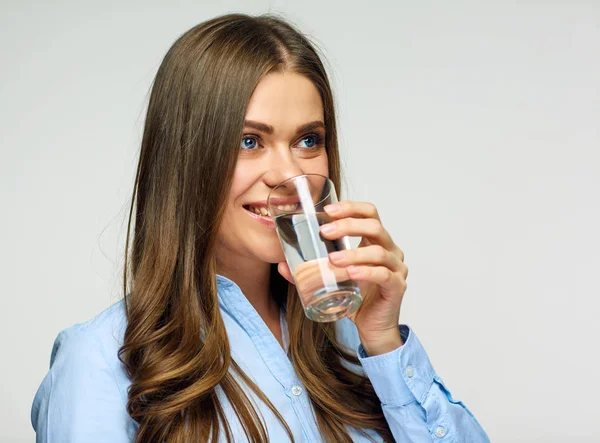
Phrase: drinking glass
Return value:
(296, 206)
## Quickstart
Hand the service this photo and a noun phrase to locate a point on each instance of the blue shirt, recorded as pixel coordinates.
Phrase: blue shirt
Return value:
(83, 397)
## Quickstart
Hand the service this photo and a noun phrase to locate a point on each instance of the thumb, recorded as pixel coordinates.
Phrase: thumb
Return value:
(285, 272)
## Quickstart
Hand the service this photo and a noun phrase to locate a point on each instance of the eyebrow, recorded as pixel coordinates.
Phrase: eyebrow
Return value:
(269, 129)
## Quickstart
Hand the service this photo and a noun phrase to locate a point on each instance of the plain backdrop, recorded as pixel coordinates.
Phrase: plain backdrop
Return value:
(473, 126)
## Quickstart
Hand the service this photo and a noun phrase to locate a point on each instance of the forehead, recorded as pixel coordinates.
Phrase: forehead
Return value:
(285, 100)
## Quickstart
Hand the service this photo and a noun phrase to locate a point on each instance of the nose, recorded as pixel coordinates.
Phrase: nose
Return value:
(282, 166)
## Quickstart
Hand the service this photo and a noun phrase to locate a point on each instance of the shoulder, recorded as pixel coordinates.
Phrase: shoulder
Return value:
(86, 384)
(347, 334)
(102, 335)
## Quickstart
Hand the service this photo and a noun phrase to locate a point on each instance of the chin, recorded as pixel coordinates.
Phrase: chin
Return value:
(271, 255)
(264, 248)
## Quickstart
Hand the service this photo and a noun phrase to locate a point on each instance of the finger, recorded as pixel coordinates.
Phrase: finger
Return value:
(285, 272)
(349, 208)
(359, 227)
(367, 255)
(380, 275)
(311, 275)
(400, 253)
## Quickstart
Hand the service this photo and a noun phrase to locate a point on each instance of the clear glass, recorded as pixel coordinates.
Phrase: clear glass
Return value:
(296, 206)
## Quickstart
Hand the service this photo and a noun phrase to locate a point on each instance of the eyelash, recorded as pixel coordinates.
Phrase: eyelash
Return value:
(318, 141)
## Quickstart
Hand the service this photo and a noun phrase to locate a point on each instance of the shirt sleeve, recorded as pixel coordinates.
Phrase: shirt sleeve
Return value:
(78, 400)
(415, 401)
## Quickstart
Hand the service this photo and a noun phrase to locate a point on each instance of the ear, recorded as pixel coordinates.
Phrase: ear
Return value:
(285, 272)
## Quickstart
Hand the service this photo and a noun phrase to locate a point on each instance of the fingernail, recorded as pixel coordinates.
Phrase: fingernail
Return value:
(328, 228)
(352, 270)
(332, 209)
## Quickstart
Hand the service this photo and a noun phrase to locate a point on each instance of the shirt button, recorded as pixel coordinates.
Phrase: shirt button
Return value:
(440, 431)
(410, 371)
(296, 390)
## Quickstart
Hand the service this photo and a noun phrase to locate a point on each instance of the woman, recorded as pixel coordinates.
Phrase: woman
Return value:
(210, 341)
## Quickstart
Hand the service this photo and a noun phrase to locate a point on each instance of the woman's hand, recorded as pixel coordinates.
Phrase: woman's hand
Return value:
(377, 265)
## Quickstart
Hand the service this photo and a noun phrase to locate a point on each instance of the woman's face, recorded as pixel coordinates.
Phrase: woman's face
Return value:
(284, 136)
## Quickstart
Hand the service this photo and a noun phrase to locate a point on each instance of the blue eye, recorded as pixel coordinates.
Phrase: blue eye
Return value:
(310, 141)
(248, 143)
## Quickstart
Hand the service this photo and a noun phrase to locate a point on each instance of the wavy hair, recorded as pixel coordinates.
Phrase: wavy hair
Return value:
(176, 351)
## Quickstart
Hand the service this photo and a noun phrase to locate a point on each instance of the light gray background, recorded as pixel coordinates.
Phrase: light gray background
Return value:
(473, 126)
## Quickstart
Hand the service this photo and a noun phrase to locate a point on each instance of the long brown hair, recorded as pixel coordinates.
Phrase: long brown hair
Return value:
(176, 351)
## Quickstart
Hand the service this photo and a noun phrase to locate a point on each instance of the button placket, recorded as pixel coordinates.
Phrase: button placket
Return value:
(296, 390)
(440, 431)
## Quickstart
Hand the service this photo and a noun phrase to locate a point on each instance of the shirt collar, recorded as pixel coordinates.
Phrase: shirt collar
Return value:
(233, 301)
(230, 294)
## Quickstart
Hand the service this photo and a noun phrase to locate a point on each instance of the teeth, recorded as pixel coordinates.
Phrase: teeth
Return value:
(265, 212)
(291, 207)
(259, 211)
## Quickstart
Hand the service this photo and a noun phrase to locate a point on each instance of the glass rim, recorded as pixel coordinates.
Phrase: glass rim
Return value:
(294, 178)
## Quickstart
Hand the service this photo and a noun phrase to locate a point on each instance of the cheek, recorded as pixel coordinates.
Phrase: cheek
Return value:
(242, 180)
(316, 165)
(324, 164)
(231, 216)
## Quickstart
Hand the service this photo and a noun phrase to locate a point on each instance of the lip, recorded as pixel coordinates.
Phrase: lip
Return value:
(275, 201)
(266, 221)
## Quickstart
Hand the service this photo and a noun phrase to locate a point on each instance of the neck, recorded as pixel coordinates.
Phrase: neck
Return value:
(253, 278)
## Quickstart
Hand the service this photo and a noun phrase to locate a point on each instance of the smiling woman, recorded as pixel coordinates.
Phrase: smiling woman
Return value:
(284, 136)
(210, 342)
